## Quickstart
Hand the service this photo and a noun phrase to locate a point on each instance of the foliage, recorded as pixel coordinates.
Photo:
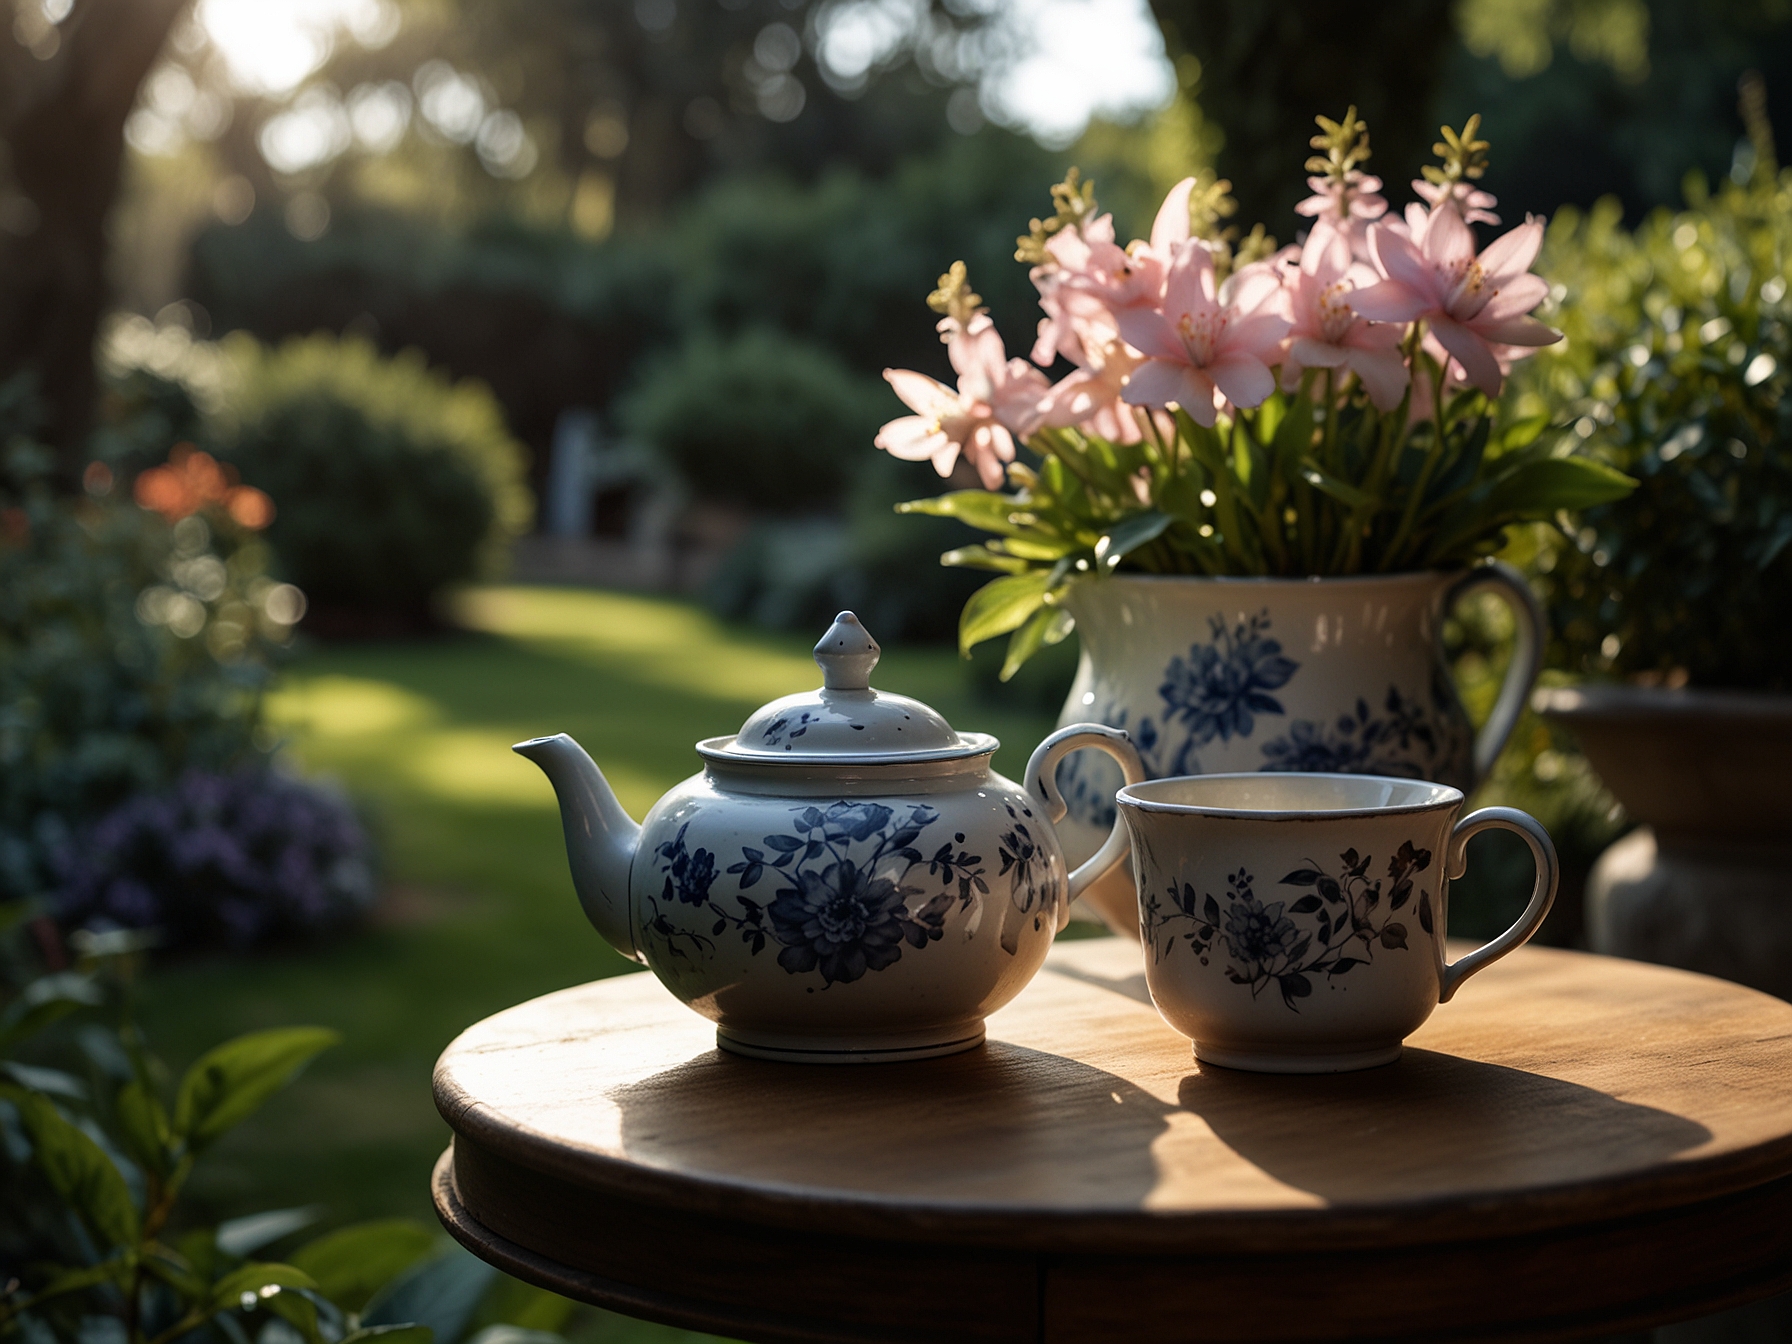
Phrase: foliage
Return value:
(131, 649)
(1676, 369)
(1376, 445)
(1256, 66)
(1610, 97)
(390, 481)
(757, 419)
(92, 1242)
(239, 859)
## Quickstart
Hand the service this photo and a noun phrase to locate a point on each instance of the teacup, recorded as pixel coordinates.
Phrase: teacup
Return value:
(1294, 923)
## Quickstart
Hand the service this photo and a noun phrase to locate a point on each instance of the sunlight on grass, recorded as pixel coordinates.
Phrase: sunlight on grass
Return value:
(348, 707)
(677, 646)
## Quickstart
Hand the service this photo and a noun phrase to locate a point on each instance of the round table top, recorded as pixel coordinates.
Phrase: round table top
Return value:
(1560, 1096)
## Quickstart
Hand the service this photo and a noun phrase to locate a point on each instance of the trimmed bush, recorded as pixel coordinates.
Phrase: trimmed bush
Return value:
(759, 419)
(389, 480)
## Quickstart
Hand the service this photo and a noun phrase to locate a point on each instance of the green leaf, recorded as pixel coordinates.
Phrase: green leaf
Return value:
(257, 1281)
(983, 509)
(73, 1280)
(45, 1000)
(230, 1083)
(1292, 438)
(1129, 534)
(298, 1311)
(1033, 548)
(1538, 489)
(241, 1237)
(441, 1293)
(981, 557)
(143, 1125)
(1531, 490)
(1327, 484)
(390, 1334)
(1048, 625)
(51, 1082)
(1520, 434)
(351, 1264)
(79, 1169)
(515, 1334)
(178, 1273)
(999, 606)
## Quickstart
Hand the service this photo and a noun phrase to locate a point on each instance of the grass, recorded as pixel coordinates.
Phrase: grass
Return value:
(480, 912)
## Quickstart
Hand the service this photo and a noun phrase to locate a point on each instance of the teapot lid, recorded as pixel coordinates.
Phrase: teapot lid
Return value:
(845, 721)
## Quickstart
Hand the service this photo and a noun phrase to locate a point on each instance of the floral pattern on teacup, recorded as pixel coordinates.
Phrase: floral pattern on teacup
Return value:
(1329, 931)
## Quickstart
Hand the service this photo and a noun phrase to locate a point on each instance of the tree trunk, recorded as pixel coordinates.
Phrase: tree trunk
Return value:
(1268, 69)
(62, 121)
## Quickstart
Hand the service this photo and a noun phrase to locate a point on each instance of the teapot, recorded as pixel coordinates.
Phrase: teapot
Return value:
(846, 880)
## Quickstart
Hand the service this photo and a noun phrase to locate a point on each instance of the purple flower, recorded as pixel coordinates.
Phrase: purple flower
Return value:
(238, 859)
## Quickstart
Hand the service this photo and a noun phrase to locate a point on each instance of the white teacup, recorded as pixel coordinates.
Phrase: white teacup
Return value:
(1294, 923)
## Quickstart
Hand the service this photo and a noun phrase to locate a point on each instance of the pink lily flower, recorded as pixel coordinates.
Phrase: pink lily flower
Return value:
(1474, 205)
(1206, 341)
(1095, 269)
(1350, 207)
(996, 399)
(1091, 396)
(1472, 304)
(1328, 333)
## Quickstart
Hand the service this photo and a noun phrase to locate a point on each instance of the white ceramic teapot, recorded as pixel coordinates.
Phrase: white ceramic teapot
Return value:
(847, 880)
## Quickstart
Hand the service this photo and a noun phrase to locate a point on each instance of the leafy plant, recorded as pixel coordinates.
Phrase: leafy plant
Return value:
(759, 419)
(92, 1244)
(1676, 371)
(1235, 410)
(132, 647)
(389, 481)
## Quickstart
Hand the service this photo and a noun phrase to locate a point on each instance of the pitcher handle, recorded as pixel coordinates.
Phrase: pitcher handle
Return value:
(1042, 782)
(1527, 655)
(1543, 893)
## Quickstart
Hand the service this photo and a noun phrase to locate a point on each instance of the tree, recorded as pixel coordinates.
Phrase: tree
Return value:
(1268, 69)
(63, 104)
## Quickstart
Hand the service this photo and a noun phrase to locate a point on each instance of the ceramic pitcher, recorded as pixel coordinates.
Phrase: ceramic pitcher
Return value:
(1340, 675)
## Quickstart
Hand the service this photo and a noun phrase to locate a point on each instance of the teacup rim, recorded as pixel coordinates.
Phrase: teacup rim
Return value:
(1451, 796)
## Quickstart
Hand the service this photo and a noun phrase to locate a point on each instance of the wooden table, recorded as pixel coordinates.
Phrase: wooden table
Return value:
(1577, 1145)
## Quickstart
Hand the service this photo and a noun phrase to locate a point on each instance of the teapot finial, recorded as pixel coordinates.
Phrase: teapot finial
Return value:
(846, 654)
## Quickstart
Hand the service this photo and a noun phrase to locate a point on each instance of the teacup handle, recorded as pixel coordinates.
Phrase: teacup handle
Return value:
(1527, 655)
(1042, 782)
(1543, 895)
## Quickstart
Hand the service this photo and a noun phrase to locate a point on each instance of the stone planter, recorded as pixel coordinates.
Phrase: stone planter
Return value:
(1703, 883)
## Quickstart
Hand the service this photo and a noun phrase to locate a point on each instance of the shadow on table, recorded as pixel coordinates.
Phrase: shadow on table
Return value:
(999, 1124)
(1427, 1121)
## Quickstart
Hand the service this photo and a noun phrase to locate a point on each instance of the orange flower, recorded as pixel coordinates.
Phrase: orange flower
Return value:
(193, 480)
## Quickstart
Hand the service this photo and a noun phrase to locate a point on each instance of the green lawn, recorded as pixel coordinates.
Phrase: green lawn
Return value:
(479, 911)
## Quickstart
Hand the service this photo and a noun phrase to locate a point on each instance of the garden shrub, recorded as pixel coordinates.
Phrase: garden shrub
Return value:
(390, 481)
(759, 419)
(136, 638)
(131, 649)
(1676, 366)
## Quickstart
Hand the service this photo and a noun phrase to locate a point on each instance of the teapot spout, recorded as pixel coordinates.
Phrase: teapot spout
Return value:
(600, 837)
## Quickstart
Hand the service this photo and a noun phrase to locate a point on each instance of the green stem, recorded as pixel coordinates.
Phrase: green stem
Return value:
(1433, 456)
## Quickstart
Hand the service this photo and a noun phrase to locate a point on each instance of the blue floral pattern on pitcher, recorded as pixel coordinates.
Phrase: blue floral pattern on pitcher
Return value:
(1222, 690)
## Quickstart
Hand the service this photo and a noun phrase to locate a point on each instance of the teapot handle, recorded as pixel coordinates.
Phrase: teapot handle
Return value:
(1042, 783)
